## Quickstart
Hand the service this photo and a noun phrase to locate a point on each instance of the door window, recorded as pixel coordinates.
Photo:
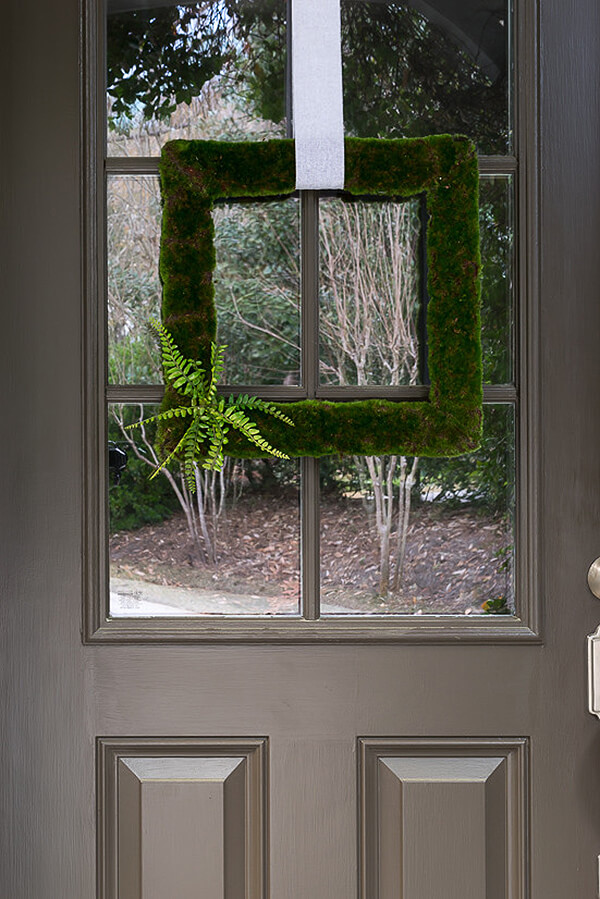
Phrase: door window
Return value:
(303, 292)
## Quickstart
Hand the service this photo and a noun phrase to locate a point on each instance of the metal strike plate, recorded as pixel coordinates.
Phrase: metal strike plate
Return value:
(594, 673)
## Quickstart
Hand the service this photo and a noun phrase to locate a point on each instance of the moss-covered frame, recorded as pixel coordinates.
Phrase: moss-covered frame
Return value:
(196, 173)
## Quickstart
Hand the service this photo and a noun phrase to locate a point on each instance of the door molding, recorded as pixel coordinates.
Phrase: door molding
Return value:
(525, 625)
(479, 788)
(230, 785)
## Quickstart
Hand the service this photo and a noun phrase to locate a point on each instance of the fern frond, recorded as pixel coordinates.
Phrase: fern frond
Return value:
(175, 412)
(189, 476)
(218, 438)
(178, 370)
(169, 458)
(249, 429)
(189, 457)
(255, 402)
(196, 436)
(255, 437)
(215, 459)
(212, 416)
(217, 364)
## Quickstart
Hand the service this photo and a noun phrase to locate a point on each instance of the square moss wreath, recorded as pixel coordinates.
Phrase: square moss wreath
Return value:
(196, 173)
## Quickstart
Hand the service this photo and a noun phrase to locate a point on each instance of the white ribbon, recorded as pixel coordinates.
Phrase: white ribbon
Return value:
(317, 94)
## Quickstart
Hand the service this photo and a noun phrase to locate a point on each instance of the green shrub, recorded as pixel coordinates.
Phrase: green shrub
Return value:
(136, 500)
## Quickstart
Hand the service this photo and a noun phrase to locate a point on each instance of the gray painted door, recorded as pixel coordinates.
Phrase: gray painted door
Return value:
(416, 769)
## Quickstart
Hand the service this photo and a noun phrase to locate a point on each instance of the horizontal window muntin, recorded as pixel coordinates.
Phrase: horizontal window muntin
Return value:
(153, 393)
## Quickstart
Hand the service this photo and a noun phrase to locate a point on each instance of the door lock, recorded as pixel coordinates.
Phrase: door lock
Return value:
(593, 579)
(594, 673)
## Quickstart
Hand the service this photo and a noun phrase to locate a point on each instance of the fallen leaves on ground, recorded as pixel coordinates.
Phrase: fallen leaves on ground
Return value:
(455, 559)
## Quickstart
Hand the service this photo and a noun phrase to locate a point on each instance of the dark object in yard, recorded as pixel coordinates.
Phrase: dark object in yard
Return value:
(117, 460)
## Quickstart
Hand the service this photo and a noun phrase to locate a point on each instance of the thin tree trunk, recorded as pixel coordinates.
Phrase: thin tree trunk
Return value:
(374, 467)
(382, 479)
(214, 512)
(403, 522)
(200, 501)
(187, 505)
(222, 488)
(183, 496)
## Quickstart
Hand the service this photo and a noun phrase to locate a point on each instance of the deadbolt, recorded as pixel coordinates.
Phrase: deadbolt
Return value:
(593, 577)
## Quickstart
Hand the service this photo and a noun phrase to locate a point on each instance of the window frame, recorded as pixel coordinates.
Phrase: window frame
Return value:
(98, 626)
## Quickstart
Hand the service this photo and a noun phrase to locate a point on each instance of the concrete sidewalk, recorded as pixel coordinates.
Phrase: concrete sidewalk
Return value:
(141, 599)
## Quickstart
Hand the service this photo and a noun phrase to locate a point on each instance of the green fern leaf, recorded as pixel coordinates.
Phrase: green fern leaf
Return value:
(176, 367)
(169, 458)
(212, 416)
(254, 402)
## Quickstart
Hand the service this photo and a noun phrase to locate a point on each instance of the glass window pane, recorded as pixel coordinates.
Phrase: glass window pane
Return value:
(496, 208)
(412, 69)
(369, 293)
(212, 70)
(448, 551)
(257, 291)
(257, 286)
(232, 549)
(133, 241)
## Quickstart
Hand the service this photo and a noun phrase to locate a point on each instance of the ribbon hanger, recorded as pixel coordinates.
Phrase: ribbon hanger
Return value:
(318, 120)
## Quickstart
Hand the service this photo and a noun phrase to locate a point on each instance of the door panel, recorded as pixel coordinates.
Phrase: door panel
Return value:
(443, 817)
(184, 812)
(318, 712)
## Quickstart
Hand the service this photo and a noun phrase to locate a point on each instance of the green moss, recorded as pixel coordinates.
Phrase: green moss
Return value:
(196, 173)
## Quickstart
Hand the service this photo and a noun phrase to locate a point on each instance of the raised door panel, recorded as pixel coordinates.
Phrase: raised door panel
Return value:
(443, 818)
(182, 818)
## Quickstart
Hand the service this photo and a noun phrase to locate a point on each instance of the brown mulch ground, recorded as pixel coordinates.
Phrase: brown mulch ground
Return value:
(455, 560)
